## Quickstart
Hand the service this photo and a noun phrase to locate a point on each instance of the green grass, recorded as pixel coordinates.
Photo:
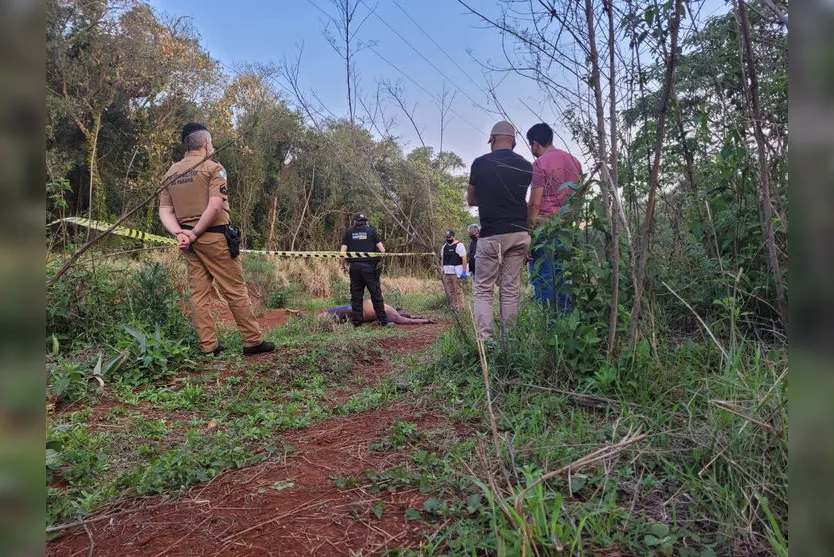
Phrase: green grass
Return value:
(709, 478)
(705, 481)
(157, 438)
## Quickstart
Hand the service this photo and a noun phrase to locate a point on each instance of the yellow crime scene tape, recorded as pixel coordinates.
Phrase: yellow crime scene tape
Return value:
(119, 230)
(148, 237)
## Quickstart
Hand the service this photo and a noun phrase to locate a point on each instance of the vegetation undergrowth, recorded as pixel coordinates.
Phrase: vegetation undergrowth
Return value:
(710, 477)
(693, 419)
(134, 410)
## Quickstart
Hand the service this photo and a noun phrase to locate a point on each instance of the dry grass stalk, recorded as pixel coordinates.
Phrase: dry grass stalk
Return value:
(493, 421)
(61, 527)
(600, 455)
(411, 285)
(728, 407)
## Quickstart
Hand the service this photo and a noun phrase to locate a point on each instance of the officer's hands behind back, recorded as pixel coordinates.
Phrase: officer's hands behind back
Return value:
(184, 240)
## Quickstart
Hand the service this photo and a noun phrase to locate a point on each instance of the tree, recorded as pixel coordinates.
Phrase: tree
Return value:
(347, 22)
(120, 74)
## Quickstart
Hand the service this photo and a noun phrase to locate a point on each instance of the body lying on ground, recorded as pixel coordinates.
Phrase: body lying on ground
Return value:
(395, 315)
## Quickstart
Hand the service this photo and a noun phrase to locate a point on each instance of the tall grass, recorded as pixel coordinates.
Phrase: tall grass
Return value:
(303, 281)
(710, 476)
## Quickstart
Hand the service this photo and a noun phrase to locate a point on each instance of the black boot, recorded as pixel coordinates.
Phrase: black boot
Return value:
(262, 348)
(216, 352)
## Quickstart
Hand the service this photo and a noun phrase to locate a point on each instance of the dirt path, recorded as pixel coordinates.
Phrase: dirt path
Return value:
(292, 507)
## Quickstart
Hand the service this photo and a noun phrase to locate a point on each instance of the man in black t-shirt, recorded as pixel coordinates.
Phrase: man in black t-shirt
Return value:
(364, 271)
(498, 184)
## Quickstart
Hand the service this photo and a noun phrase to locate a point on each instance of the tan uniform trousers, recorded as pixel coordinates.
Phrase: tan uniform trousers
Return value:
(210, 261)
(500, 259)
(454, 291)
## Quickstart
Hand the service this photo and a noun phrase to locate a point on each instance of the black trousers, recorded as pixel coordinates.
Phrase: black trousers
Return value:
(365, 275)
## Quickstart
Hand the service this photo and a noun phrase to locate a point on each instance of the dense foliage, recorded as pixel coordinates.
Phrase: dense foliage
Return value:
(121, 81)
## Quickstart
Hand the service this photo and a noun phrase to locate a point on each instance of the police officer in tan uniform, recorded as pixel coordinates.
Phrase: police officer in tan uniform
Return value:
(195, 208)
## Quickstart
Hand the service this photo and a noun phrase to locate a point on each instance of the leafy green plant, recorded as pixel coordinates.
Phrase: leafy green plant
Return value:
(401, 434)
(84, 305)
(660, 539)
(71, 381)
(156, 355)
(199, 459)
(152, 298)
(281, 296)
(54, 458)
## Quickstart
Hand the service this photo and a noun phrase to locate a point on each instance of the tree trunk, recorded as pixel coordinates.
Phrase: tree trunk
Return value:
(643, 249)
(615, 234)
(764, 171)
(602, 147)
(273, 217)
(607, 181)
(97, 195)
(304, 209)
(348, 19)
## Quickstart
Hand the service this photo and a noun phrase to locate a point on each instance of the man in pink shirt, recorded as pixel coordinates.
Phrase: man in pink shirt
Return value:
(555, 179)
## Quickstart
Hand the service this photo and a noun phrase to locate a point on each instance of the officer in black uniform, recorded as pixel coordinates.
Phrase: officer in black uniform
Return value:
(474, 231)
(364, 271)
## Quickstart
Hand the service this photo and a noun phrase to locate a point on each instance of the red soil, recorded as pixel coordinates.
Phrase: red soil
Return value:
(292, 507)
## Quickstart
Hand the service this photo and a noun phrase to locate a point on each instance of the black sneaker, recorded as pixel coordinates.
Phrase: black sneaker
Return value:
(356, 325)
(216, 352)
(262, 348)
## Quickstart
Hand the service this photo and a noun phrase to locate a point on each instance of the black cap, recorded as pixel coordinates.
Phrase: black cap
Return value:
(190, 128)
(450, 233)
(360, 217)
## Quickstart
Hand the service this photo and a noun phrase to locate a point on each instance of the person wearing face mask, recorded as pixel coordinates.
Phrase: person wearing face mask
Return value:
(474, 230)
(455, 269)
(498, 184)
(555, 179)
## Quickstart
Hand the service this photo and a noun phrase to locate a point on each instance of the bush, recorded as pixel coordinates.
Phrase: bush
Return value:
(90, 304)
(156, 356)
(70, 382)
(152, 298)
(277, 297)
(260, 272)
(84, 305)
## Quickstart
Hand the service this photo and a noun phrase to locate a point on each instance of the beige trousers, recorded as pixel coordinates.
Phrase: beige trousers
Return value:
(454, 291)
(500, 259)
(210, 261)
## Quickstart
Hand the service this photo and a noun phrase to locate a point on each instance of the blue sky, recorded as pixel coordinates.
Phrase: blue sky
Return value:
(256, 31)
(250, 31)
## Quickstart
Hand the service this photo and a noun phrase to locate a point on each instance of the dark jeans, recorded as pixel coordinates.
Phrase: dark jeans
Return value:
(546, 277)
(365, 275)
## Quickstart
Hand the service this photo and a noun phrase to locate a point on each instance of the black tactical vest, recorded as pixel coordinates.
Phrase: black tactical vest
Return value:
(361, 238)
(450, 256)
